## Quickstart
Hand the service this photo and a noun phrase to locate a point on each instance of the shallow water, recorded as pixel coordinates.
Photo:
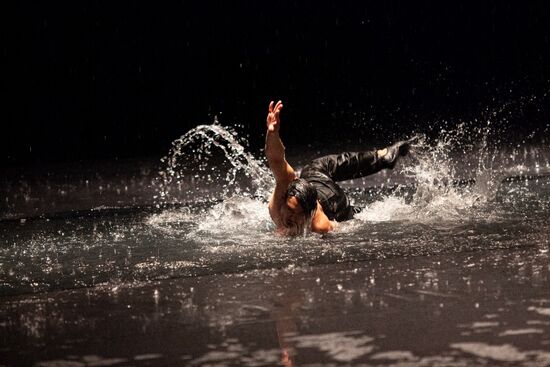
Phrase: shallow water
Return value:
(443, 198)
(203, 219)
(481, 308)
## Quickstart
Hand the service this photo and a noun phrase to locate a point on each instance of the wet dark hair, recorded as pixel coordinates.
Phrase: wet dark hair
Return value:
(305, 193)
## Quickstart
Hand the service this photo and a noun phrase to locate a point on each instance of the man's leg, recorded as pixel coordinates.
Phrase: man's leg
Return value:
(350, 165)
(346, 165)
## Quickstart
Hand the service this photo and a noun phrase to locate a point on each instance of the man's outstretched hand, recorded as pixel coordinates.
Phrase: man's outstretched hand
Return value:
(273, 120)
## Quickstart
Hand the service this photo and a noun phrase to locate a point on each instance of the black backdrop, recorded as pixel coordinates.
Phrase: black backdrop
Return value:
(87, 80)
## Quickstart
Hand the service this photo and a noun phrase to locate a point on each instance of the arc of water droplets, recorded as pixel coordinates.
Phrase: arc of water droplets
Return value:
(225, 140)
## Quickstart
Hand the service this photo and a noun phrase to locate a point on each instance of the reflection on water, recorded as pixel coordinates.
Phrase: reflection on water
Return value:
(477, 308)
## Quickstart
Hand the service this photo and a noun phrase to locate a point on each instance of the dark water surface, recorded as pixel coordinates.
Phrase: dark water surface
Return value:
(447, 264)
(460, 309)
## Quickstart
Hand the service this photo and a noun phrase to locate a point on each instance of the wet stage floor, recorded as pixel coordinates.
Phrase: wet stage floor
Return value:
(461, 309)
(108, 266)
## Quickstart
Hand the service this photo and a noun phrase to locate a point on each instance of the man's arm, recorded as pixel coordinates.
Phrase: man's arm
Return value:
(320, 222)
(275, 153)
(274, 148)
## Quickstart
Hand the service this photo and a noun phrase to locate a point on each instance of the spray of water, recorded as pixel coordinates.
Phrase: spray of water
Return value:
(462, 189)
(206, 156)
(459, 175)
(453, 177)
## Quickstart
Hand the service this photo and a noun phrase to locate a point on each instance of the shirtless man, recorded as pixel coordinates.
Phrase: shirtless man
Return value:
(314, 201)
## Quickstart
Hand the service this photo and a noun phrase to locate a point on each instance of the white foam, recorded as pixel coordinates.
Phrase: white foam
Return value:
(385, 210)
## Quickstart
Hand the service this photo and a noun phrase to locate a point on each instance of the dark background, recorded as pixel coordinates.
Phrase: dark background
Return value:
(99, 80)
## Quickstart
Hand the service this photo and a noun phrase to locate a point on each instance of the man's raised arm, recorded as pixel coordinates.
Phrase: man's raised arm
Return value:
(274, 148)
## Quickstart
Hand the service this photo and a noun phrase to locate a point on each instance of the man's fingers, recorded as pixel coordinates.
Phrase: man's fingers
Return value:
(274, 114)
(277, 109)
(277, 112)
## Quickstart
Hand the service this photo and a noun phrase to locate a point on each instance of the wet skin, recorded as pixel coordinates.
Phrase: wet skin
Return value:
(286, 212)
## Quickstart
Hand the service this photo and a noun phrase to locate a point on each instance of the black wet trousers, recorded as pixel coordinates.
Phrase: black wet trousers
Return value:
(324, 172)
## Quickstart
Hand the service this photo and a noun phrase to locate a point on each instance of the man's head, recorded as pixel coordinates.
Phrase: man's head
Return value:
(301, 203)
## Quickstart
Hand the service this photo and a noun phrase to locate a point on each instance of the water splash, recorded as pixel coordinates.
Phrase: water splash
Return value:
(207, 155)
(456, 176)
(452, 198)
(238, 220)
